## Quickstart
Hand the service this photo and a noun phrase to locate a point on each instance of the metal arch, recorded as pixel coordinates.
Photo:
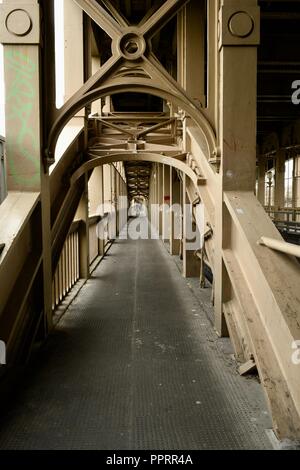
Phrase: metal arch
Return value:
(116, 27)
(132, 85)
(129, 156)
(105, 83)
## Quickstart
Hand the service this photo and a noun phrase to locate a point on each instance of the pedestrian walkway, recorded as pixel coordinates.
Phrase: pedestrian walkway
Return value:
(135, 364)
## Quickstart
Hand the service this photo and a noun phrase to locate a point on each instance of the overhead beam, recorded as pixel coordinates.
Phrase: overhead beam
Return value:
(161, 17)
(154, 158)
(116, 14)
(101, 17)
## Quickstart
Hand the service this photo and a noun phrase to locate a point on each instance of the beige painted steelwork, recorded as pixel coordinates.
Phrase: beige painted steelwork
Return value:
(147, 157)
(201, 149)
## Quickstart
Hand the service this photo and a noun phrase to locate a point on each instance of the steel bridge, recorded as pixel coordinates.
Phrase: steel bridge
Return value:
(165, 103)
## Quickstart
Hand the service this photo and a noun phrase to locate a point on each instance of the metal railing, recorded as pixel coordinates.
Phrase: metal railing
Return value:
(68, 270)
(286, 221)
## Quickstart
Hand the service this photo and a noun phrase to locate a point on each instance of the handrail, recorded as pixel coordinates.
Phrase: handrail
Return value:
(95, 219)
(283, 211)
(287, 225)
(75, 226)
(286, 213)
(280, 245)
(92, 221)
(287, 222)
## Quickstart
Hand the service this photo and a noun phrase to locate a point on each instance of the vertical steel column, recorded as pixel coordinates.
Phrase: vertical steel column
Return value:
(279, 179)
(238, 41)
(175, 215)
(20, 34)
(83, 214)
(166, 204)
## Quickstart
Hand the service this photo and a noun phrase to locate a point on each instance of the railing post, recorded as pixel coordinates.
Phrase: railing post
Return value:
(83, 233)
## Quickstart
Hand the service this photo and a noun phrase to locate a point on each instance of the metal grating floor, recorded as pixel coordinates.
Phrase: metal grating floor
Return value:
(135, 364)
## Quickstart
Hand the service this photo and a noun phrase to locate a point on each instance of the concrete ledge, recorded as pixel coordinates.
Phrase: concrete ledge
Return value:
(14, 213)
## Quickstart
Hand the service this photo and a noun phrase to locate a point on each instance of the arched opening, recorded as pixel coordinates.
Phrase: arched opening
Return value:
(145, 86)
(136, 102)
(123, 157)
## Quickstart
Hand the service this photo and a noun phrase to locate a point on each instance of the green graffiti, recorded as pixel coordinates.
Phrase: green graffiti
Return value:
(20, 99)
